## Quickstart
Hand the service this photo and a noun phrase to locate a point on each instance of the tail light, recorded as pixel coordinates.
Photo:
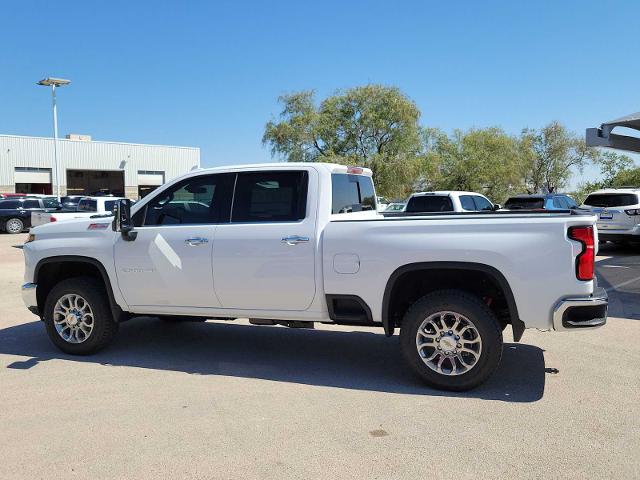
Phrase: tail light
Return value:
(53, 219)
(586, 259)
(355, 170)
(633, 211)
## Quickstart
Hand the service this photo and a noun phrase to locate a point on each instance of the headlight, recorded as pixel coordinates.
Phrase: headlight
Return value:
(30, 238)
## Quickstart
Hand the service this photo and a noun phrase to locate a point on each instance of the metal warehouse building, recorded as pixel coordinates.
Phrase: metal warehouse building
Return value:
(86, 167)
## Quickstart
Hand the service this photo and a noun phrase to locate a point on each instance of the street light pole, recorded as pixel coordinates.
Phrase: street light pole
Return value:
(55, 139)
(53, 83)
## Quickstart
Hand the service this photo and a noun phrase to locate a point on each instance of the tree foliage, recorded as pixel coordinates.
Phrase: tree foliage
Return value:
(378, 127)
(480, 160)
(372, 126)
(550, 155)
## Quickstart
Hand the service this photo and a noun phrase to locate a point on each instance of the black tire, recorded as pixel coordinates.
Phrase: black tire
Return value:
(14, 225)
(104, 327)
(485, 322)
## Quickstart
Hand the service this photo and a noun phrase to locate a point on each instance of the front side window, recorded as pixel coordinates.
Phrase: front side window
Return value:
(482, 203)
(31, 204)
(109, 204)
(466, 201)
(193, 201)
(270, 197)
(51, 203)
(352, 193)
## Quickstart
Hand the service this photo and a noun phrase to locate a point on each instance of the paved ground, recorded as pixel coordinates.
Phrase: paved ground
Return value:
(238, 401)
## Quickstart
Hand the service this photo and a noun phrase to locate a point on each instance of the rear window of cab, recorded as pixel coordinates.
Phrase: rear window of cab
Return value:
(352, 193)
(611, 199)
(429, 203)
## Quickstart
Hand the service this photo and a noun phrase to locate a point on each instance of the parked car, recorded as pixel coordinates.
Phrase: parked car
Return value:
(549, 201)
(395, 207)
(448, 201)
(618, 211)
(87, 207)
(273, 247)
(15, 213)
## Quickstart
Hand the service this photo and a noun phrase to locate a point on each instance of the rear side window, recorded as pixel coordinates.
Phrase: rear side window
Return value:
(88, 205)
(270, 197)
(611, 199)
(429, 203)
(352, 193)
(515, 203)
(9, 204)
(560, 203)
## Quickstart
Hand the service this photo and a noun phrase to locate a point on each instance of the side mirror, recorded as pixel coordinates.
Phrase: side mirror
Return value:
(497, 206)
(122, 220)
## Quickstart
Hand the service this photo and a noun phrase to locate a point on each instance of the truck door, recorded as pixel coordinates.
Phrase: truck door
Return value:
(169, 262)
(264, 259)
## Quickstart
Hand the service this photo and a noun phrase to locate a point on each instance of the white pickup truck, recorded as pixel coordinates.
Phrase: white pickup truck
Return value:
(87, 207)
(266, 242)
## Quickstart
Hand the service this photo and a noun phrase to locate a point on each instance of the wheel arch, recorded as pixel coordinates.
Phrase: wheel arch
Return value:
(493, 273)
(49, 271)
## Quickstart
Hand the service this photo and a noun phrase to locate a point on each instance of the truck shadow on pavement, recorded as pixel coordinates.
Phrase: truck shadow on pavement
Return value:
(358, 360)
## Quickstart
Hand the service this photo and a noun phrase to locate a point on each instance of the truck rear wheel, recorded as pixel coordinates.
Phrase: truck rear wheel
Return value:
(14, 225)
(77, 316)
(451, 340)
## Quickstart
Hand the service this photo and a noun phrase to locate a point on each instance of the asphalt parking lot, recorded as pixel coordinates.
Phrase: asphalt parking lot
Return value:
(215, 400)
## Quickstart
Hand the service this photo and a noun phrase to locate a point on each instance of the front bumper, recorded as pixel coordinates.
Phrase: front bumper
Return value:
(581, 312)
(29, 297)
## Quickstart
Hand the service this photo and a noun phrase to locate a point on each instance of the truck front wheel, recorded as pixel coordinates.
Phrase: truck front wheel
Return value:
(451, 340)
(77, 316)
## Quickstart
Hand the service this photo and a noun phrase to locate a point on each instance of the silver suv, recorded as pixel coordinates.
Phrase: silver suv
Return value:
(618, 211)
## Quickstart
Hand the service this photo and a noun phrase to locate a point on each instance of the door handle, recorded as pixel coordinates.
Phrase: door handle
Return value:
(195, 241)
(294, 240)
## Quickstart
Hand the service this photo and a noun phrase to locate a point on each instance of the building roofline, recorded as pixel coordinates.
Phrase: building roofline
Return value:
(101, 141)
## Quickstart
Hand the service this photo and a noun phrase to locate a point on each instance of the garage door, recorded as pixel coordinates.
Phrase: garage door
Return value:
(32, 175)
(146, 177)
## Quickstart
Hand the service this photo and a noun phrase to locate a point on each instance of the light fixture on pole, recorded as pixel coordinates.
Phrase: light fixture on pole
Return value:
(53, 83)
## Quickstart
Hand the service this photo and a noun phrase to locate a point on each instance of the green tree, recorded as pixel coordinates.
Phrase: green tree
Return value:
(616, 170)
(481, 160)
(373, 126)
(550, 156)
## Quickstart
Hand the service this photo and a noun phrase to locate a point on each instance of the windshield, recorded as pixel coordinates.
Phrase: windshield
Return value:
(429, 203)
(611, 199)
(524, 203)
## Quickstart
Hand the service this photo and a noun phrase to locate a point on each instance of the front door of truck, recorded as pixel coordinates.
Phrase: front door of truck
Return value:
(169, 262)
(264, 259)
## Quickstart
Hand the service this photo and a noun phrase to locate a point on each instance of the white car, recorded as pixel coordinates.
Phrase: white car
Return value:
(448, 201)
(618, 211)
(273, 246)
(87, 207)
